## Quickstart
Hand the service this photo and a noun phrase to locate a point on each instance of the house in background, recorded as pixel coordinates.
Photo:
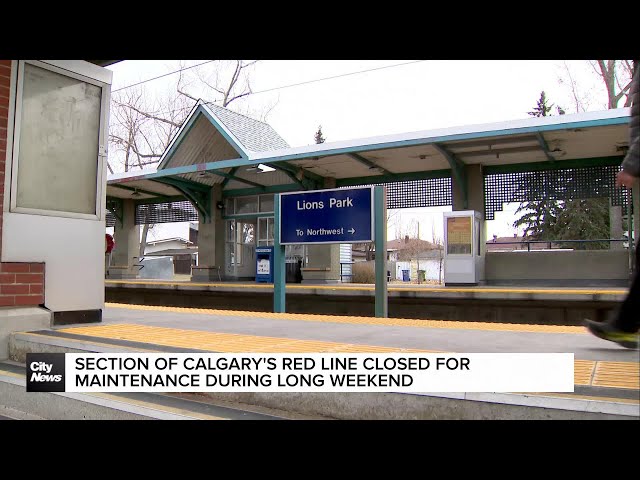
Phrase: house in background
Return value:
(183, 252)
(406, 257)
(517, 243)
(421, 259)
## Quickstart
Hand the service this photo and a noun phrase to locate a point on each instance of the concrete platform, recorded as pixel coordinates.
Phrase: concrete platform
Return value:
(607, 377)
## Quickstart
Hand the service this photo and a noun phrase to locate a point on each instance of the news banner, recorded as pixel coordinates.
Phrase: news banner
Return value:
(313, 372)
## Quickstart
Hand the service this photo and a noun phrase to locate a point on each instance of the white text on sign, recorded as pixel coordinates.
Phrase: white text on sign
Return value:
(333, 203)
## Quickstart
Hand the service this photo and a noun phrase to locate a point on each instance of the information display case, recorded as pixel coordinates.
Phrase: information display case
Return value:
(464, 258)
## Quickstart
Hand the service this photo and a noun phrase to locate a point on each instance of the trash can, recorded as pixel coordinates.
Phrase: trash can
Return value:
(405, 275)
(264, 264)
(293, 271)
(421, 275)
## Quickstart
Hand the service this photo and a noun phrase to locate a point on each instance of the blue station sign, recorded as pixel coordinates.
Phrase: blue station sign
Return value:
(327, 216)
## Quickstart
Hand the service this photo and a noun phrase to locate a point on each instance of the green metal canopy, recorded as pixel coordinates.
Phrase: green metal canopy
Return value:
(216, 146)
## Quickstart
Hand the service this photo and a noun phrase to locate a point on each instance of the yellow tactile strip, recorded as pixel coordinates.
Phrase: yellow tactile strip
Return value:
(395, 322)
(583, 371)
(391, 289)
(617, 374)
(586, 372)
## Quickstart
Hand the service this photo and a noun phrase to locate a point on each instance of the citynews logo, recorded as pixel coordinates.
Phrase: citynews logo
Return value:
(45, 372)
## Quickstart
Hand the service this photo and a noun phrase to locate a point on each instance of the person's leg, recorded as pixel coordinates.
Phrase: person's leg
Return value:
(628, 317)
(623, 327)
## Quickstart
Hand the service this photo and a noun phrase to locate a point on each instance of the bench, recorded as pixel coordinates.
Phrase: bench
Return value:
(207, 268)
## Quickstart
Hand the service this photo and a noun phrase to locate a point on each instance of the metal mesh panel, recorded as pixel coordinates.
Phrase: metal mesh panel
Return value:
(432, 192)
(110, 220)
(562, 184)
(166, 213)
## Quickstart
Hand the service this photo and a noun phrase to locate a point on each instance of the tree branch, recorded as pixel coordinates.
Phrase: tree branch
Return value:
(148, 115)
(133, 147)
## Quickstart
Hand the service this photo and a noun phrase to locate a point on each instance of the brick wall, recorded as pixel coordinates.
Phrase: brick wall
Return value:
(20, 283)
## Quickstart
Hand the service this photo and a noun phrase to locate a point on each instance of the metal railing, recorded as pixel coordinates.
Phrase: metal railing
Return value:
(551, 243)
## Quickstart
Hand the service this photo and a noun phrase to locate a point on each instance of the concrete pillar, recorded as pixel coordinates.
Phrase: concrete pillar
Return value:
(475, 190)
(211, 259)
(329, 182)
(324, 260)
(127, 239)
(475, 197)
(615, 226)
(324, 264)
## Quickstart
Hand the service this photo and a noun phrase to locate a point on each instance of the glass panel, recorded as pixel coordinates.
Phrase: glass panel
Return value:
(238, 256)
(248, 233)
(229, 210)
(459, 235)
(229, 251)
(266, 203)
(270, 229)
(231, 230)
(246, 205)
(262, 229)
(59, 136)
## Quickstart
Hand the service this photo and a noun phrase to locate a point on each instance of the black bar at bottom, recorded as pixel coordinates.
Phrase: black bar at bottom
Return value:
(77, 316)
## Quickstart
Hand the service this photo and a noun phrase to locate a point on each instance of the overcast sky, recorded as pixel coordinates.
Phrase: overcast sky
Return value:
(389, 96)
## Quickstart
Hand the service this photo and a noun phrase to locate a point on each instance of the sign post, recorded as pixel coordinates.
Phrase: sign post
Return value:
(279, 278)
(380, 209)
(327, 217)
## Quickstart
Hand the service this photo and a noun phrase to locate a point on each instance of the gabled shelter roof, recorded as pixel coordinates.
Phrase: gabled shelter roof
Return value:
(218, 147)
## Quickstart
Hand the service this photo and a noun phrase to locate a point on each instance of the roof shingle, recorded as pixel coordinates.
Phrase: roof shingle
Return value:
(254, 135)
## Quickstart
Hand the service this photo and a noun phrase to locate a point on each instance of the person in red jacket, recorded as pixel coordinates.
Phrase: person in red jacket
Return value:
(109, 243)
(623, 327)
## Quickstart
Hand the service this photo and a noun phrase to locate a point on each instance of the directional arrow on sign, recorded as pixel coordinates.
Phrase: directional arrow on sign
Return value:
(352, 231)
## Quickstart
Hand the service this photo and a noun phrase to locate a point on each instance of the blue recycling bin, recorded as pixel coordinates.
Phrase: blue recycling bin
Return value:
(405, 275)
(264, 264)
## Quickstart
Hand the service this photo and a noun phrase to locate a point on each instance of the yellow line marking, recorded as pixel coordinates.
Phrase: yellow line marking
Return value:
(395, 322)
(586, 397)
(154, 406)
(9, 373)
(372, 288)
(223, 342)
(608, 374)
(92, 343)
(141, 403)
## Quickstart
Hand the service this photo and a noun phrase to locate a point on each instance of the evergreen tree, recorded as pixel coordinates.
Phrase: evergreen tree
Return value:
(550, 219)
(584, 219)
(319, 138)
(541, 109)
(540, 216)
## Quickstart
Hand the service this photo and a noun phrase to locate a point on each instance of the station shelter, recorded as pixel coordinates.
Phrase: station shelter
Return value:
(54, 117)
(222, 170)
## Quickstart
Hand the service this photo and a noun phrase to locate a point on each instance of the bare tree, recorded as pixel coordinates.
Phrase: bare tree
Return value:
(412, 247)
(142, 129)
(126, 129)
(614, 75)
(229, 81)
(438, 241)
(368, 247)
